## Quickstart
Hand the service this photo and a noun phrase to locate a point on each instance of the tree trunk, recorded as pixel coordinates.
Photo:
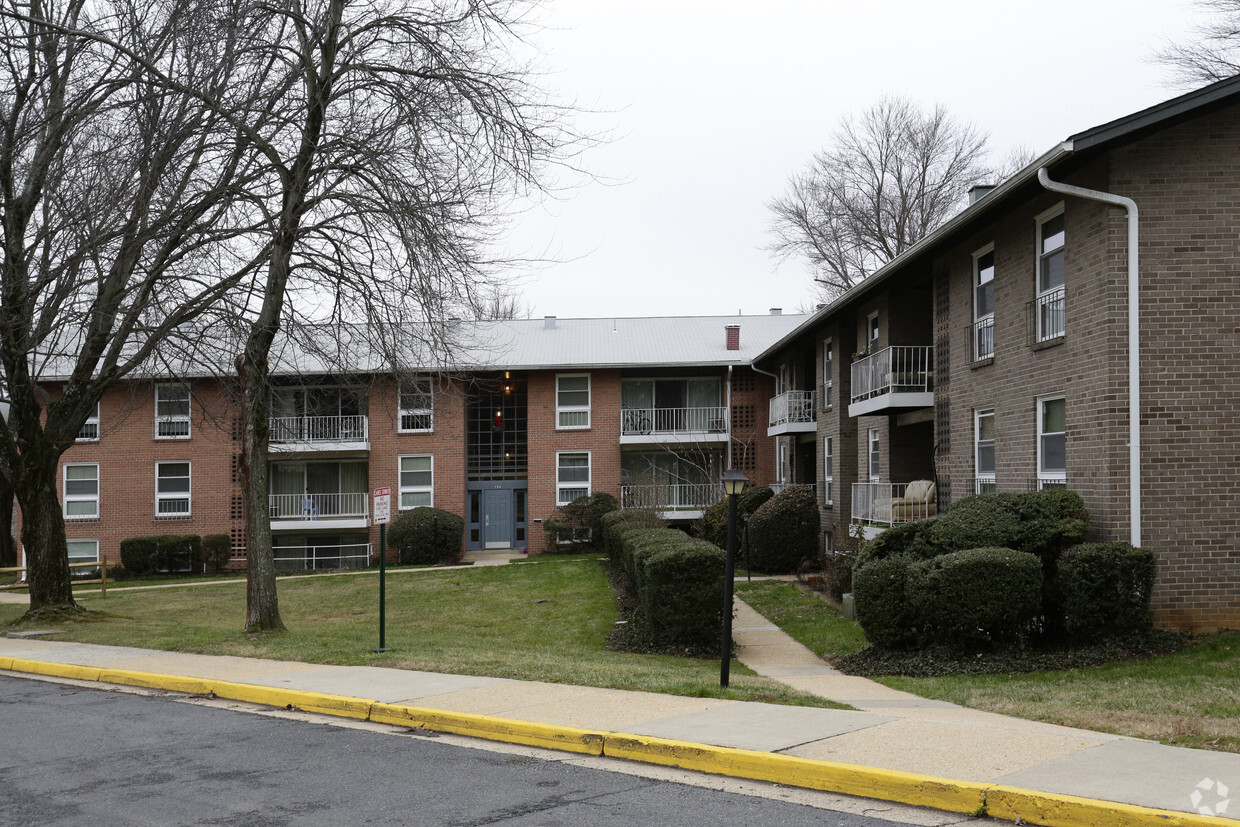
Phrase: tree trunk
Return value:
(262, 605)
(8, 544)
(43, 535)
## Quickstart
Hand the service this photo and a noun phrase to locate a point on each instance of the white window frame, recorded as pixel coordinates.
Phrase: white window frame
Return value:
(873, 329)
(874, 449)
(90, 425)
(828, 373)
(1040, 294)
(1054, 475)
(781, 462)
(404, 489)
(79, 557)
(79, 498)
(420, 388)
(983, 346)
(173, 419)
(984, 481)
(562, 409)
(572, 485)
(828, 470)
(188, 495)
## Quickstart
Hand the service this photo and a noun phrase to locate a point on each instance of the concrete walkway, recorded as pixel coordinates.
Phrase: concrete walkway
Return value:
(894, 746)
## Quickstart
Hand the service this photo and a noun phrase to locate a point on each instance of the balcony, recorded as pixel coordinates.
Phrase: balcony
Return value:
(670, 425)
(880, 505)
(298, 558)
(673, 501)
(303, 512)
(1045, 317)
(792, 412)
(319, 433)
(895, 377)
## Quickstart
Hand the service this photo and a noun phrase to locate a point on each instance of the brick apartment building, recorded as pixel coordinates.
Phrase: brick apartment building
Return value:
(994, 356)
(533, 414)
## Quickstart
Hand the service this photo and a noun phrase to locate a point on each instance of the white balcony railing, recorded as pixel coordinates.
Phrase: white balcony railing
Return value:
(354, 556)
(636, 421)
(319, 506)
(899, 369)
(671, 497)
(887, 502)
(793, 406)
(353, 428)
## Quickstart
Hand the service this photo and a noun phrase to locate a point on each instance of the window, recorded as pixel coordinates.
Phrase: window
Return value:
(1052, 440)
(172, 411)
(781, 462)
(81, 491)
(172, 493)
(417, 481)
(1049, 304)
(984, 451)
(872, 332)
(874, 455)
(572, 401)
(572, 476)
(983, 304)
(83, 551)
(417, 406)
(828, 374)
(90, 428)
(828, 470)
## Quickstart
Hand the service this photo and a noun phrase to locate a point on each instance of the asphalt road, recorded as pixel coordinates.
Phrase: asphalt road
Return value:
(75, 755)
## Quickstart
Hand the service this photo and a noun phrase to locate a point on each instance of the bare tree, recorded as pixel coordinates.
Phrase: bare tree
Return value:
(118, 211)
(889, 177)
(1213, 53)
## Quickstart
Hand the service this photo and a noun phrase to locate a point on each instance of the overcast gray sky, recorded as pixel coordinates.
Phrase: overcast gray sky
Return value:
(713, 105)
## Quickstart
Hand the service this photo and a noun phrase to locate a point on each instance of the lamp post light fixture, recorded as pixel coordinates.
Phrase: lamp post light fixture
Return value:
(733, 484)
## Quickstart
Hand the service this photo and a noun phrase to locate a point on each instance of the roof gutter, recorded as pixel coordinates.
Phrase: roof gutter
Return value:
(1134, 330)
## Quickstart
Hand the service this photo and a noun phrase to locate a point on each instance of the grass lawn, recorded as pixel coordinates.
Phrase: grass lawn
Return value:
(545, 619)
(1188, 698)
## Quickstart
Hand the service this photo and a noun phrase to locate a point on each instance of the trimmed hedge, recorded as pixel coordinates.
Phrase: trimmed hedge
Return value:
(784, 532)
(975, 598)
(217, 551)
(172, 553)
(427, 536)
(713, 527)
(562, 532)
(677, 579)
(885, 614)
(1104, 590)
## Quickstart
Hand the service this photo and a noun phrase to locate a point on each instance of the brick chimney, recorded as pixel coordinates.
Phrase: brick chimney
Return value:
(733, 332)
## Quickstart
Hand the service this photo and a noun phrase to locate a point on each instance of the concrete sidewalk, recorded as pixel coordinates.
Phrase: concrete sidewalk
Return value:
(895, 746)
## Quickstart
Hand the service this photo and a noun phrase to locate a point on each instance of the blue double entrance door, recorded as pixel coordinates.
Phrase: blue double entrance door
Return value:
(497, 517)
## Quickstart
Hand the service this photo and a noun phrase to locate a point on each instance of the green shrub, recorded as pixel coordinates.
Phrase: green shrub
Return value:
(1104, 590)
(902, 539)
(217, 551)
(884, 613)
(138, 555)
(713, 527)
(579, 525)
(784, 531)
(427, 536)
(976, 597)
(172, 553)
(976, 522)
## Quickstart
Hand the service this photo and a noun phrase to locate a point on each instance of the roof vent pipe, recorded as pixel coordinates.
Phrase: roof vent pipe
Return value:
(549, 323)
(1134, 341)
(777, 311)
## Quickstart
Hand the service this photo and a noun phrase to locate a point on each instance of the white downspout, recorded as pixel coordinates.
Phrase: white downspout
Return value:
(1134, 329)
(728, 401)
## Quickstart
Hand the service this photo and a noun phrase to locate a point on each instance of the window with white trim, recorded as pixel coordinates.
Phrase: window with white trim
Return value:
(417, 406)
(89, 431)
(984, 451)
(828, 470)
(417, 481)
(983, 303)
(572, 476)
(781, 462)
(1052, 440)
(828, 374)
(572, 400)
(172, 489)
(875, 454)
(1049, 304)
(81, 490)
(172, 411)
(872, 332)
(82, 551)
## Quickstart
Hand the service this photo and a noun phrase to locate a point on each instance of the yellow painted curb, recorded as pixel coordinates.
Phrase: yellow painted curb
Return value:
(6, 663)
(1052, 810)
(529, 733)
(152, 680)
(56, 670)
(867, 782)
(307, 701)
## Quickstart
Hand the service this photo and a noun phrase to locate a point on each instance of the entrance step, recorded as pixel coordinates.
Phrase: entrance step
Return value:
(493, 556)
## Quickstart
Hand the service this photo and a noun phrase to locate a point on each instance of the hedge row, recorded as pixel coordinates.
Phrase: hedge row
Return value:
(783, 529)
(427, 536)
(174, 553)
(997, 569)
(678, 581)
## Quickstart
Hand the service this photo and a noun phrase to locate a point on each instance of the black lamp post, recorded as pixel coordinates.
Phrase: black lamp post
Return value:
(733, 483)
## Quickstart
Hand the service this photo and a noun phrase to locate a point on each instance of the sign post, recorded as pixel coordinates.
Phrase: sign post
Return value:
(383, 516)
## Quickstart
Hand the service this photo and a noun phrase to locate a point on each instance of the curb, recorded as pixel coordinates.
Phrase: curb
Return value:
(997, 801)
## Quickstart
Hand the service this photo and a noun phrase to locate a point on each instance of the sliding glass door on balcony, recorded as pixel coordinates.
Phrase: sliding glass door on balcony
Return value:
(318, 415)
(672, 406)
(318, 490)
(670, 481)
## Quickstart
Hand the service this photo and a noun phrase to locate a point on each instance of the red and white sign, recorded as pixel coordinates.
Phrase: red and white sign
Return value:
(383, 505)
